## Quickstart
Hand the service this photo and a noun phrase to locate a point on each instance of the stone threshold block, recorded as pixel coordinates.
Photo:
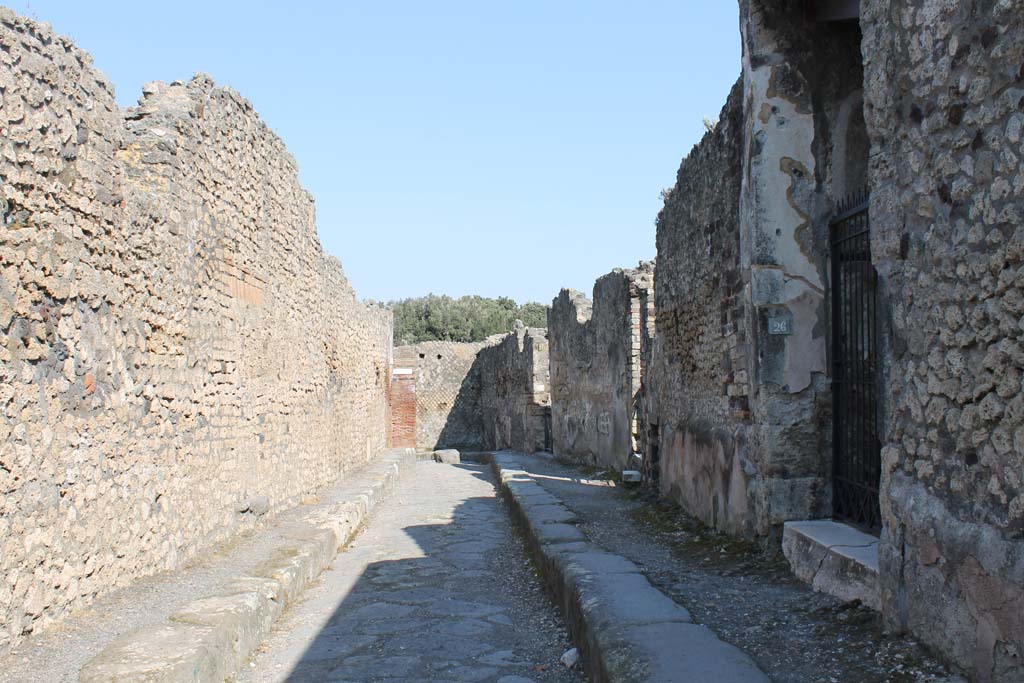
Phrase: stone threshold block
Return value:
(834, 558)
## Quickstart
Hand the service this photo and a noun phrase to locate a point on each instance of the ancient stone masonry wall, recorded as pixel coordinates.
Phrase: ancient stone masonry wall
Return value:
(177, 353)
(447, 393)
(944, 100)
(699, 384)
(743, 414)
(805, 150)
(514, 392)
(596, 359)
(489, 395)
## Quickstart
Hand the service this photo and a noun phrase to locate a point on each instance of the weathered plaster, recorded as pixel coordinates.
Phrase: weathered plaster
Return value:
(709, 473)
(780, 173)
(803, 351)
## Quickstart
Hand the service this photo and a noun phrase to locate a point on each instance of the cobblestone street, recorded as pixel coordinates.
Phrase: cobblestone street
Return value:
(437, 588)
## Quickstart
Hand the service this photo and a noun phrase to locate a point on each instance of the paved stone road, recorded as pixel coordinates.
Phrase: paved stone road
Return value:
(438, 588)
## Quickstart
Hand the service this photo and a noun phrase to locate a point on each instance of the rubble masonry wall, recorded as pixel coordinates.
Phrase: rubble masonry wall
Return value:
(944, 103)
(699, 385)
(177, 353)
(514, 391)
(596, 354)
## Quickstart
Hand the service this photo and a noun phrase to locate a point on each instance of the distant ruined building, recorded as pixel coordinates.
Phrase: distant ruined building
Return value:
(490, 395)
(827, 355)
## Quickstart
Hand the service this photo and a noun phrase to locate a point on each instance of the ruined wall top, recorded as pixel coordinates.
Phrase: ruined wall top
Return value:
(596, 352)
(639, 278)
(514, 390)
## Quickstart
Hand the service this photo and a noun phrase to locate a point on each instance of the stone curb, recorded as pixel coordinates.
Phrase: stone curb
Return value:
(625, 628)
(209, 639)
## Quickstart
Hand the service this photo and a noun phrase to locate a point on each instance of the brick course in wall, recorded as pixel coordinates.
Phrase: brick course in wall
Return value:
(402, 401)
(173, 340)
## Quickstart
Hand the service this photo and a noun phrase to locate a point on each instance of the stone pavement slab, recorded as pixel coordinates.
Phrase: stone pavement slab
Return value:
(438, 588)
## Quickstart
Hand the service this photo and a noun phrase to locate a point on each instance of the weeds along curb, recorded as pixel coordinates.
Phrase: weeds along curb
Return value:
(211, 638)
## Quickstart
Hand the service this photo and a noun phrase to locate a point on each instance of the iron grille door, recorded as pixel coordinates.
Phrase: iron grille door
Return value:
(857, 462)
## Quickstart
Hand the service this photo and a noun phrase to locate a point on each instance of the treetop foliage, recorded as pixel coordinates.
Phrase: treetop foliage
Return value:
(466, 319)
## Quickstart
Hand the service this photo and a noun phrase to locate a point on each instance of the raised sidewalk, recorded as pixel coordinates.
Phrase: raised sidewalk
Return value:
(202, 622)
(626, 629)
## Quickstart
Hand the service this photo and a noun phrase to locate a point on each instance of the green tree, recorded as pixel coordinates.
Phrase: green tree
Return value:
(466, 319)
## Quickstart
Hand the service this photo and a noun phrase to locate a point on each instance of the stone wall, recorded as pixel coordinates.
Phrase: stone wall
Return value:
(699, 410)
(596, 354)
(944, 102)
(489, 395)
(514, 394)
(174, 344)
(447, 393)
(740, 400)
(741, 418)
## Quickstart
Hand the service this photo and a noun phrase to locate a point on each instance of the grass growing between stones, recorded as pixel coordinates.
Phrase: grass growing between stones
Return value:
(689, 535)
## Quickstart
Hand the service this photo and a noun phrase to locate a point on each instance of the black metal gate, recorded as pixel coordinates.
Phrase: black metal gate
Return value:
(857, 454)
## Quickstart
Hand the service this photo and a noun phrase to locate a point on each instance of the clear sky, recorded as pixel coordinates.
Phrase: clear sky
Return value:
(470, 147)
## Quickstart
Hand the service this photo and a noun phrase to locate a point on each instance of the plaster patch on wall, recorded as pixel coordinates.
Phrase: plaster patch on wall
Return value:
(780, 163)
(805, 352)
(705, 472)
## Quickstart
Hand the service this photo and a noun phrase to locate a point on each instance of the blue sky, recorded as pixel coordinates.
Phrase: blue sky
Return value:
(452, 147)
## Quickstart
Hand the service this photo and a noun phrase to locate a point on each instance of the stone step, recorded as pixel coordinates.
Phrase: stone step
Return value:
(834, 558)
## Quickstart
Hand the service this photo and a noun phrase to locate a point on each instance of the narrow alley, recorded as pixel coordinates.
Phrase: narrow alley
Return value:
(676, 345)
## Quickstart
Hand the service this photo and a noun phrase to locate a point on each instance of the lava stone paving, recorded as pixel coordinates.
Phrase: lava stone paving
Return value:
(437, 588)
